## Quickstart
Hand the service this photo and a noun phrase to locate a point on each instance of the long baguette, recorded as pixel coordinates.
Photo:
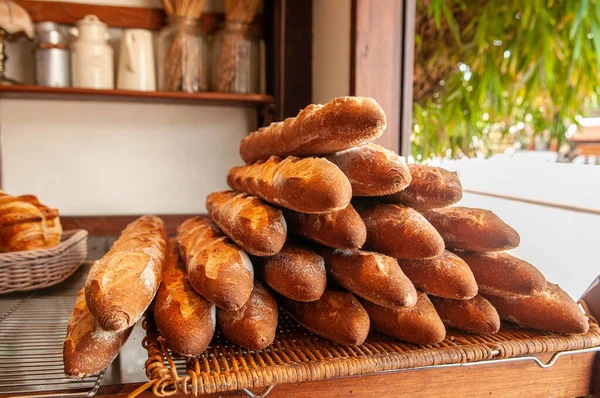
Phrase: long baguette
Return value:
(499, 273)
(88, 349)
(296, 272)
(121, 285)
(337, 315)
(399, 232)
(340, 124)
(471, 229)
(369, 275)
(185, 319)
(252, 224)
(475, 315)
(552, 310)
(444, 276)
(342, 229)
(218, 269)
(372, 170)
(311, 185)
(419, 324)
(430, 188)
(252, 326)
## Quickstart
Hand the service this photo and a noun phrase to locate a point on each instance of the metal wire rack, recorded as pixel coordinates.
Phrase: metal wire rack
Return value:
(32, 330)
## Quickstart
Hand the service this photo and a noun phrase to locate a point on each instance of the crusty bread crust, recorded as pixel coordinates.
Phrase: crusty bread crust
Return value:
(340, 124)
(475, 315)
(252, 224)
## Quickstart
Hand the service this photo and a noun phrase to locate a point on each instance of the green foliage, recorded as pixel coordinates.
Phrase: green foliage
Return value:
(485, 66)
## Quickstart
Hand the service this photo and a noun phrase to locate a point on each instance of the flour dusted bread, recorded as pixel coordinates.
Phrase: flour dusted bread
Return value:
(552, 310)
(419, 324)
(310, 185)
(121, 285)
(252, 224)
(217, 268)
(252, 326)
(296, 272)
(430, 188)
(337, 316)
(475, 315)
(470, 229)
(88, 349)
(446, 275)
(340, 124)
(499, 273)
(184, 318)
(399, 231)
(372, 170)
(370, 275)
(343, 229)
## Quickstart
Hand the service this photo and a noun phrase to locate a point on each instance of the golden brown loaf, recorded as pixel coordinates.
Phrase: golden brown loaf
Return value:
(372, 170)
(553, 310)
(311, 185)
(296, 272)
(122, 284)
(399, 232)
(184, 318)
(471, 229)
(500, 273)
(337, 316)
(475, 315)
(340, 124)
(88, 349)
(419, 324)
(217, 268)
(430, 188)
(342, 229)
(372, 276)
(444, 276)
(252, 224)
(51, 219)
(252, 326)
(22, 225)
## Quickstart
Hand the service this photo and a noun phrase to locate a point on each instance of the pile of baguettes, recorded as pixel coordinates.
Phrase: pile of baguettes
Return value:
(344, 234)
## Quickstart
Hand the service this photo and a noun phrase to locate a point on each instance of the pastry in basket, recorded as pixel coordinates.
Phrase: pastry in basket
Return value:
(23, 224)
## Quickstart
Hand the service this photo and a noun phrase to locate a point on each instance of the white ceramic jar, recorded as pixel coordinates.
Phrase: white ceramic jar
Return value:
(91, 55)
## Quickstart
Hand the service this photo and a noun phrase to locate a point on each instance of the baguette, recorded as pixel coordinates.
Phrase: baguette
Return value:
(253, 225)
(337, 316)
(372, 276)
(372, 170)
(121, 285)
(553, 310)
(252, 326)
(296, 272)
(419, 324)
(88, 349)
(444, 276)
(499, 273)
(340, 124)
(342, 229)
(476, 230)
(399, 232)
(185, 319)
(475, 315)
(311, 185)
(219, 270)
(430, 188)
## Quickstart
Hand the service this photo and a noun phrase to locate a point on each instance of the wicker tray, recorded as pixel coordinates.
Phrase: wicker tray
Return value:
(36, 269)
(296, 355)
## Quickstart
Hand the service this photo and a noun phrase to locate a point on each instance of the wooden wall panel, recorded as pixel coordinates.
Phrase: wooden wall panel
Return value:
(113, 225)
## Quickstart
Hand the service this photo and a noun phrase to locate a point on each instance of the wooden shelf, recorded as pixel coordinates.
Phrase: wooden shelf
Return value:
(207, 98)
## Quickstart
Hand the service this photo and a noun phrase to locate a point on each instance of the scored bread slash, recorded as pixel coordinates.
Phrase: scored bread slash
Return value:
(252, 224)
(372, 170)
(342, 123)
(310, 185)
(475, 315)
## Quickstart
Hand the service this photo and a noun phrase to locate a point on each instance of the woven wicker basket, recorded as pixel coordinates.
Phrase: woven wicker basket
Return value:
(30, 270)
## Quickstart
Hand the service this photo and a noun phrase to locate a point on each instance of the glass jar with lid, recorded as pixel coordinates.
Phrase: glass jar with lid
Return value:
(183, 56)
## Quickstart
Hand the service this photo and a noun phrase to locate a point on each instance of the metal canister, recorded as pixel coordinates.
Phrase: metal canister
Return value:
(52, 63)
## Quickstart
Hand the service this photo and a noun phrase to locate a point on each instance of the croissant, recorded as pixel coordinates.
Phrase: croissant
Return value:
(53, 225)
